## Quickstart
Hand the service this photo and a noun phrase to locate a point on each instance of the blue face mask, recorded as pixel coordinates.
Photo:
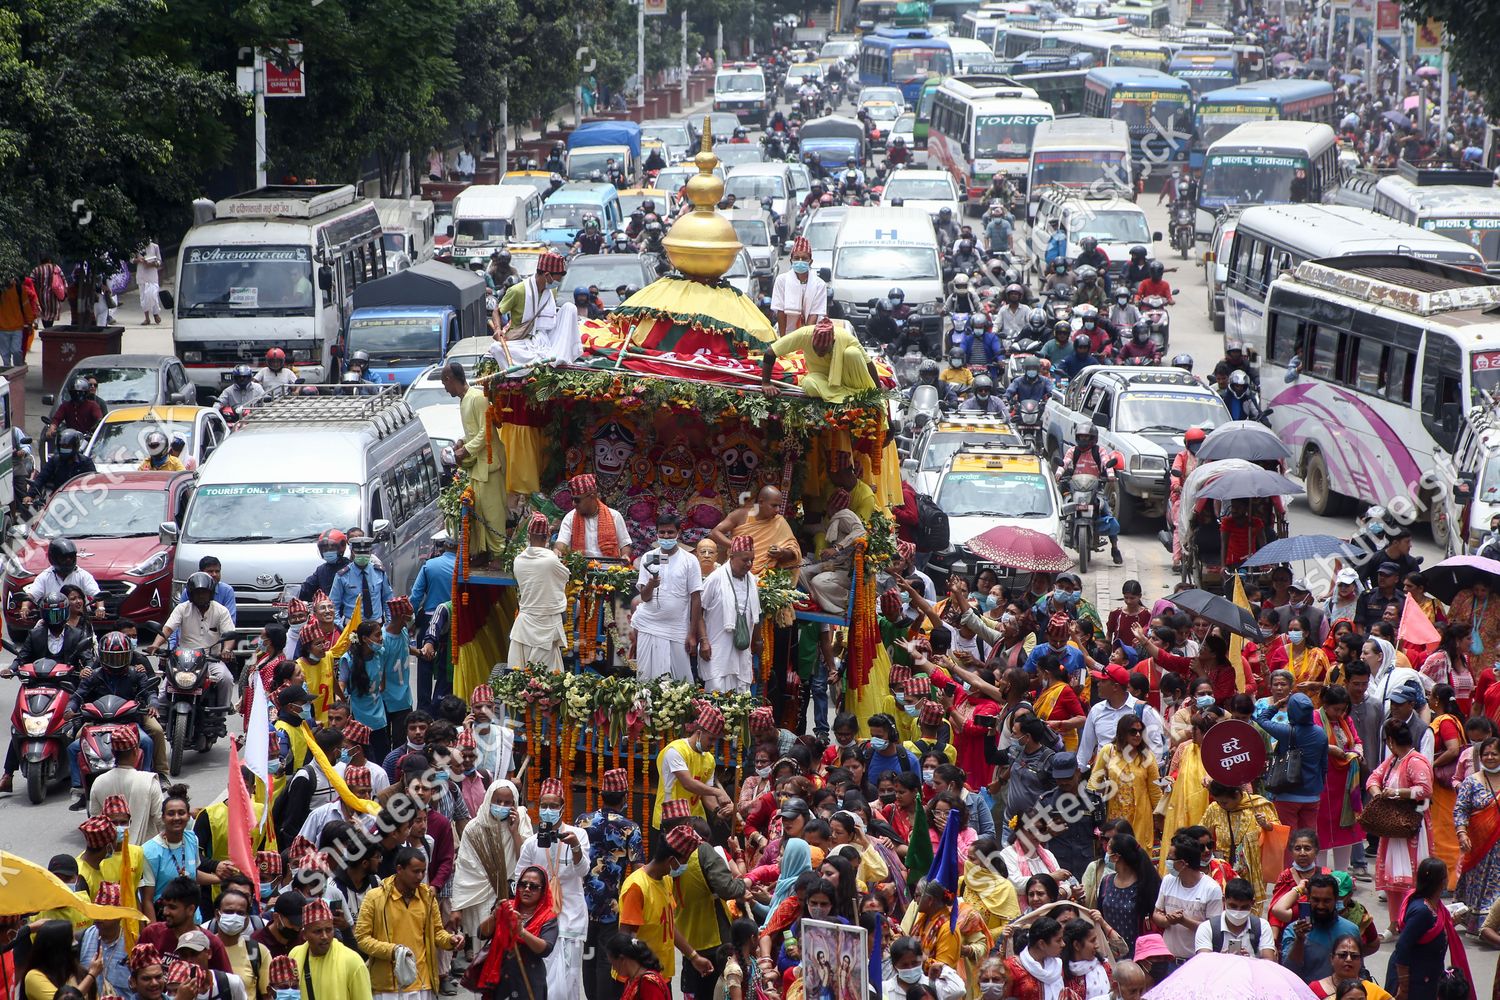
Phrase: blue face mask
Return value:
(1064, 596)
(288, 994)
(988, 602)
(911, 710)
(345, 756)
(678, 871)
(440, 776)
(666, 544)
(1294, 636)
(331, 557)
(1204, 701)
(550, 816)
(801, 266)
(266, 889)
(878, 743)
(307, 712)
(274, 765)
(500, 812)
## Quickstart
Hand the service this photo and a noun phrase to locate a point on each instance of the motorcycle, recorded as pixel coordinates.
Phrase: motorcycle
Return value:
(188, 717)
(1028, 421)
(1081, 513)
(101, 718)
(1154, 311)
(39, 726)
(1184, 227)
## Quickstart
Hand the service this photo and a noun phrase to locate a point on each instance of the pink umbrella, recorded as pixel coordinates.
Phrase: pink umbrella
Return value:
(1428, 71)
(1020, 548)
(1230, 977)
(1411, 102)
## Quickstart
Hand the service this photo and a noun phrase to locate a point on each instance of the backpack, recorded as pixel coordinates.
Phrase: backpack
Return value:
(252, 951)
(1216, 931)
(931, 533)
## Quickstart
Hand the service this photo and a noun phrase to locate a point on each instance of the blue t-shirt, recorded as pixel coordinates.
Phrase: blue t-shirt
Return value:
(395, 665)
(1317, 948)
(879, 764)
(168, 863)
(1072, 658)
(368, 709)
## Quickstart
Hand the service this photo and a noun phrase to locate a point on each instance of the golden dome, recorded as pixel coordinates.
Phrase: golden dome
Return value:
(702, 244)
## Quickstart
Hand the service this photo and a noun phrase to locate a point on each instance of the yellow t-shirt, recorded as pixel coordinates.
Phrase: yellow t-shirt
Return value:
(647, 903)
(38, 986)
(958, 376)
(239, 961)
(109, 871)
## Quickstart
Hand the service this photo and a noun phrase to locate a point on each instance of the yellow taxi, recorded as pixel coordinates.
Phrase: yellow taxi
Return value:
(632, 199)
(941, 439)
(545, 181)
(118, 444)
(984, 486)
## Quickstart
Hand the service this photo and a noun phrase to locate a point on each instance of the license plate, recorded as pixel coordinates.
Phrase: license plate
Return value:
(1085, 508)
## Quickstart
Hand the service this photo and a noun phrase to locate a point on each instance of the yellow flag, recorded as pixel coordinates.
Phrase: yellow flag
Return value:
(1236, 643)
(128, 893)
(336, 780)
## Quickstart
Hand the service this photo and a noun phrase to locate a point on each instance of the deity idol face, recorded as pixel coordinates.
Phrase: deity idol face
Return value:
(613, 446)
(741, 464)
(676, 468)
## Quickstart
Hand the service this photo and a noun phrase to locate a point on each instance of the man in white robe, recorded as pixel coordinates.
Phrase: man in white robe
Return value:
(537, 636)
(730, 591)
(566, 861)
(541, 328)
(668, 624)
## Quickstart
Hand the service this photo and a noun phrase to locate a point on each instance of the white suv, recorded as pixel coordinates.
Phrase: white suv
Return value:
(740, 88)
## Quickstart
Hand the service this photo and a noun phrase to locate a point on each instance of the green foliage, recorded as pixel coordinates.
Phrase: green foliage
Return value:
(1473, 33)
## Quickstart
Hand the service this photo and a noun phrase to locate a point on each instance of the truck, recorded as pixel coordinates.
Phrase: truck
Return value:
(407, 320)
(592, 144)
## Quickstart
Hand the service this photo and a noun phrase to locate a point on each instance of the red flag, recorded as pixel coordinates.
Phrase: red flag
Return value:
(241, 822)
(1416, 628)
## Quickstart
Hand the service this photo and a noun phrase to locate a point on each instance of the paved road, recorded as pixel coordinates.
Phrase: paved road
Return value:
(38, 832)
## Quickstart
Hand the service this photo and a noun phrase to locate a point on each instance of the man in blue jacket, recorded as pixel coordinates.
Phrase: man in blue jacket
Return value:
(433, 586)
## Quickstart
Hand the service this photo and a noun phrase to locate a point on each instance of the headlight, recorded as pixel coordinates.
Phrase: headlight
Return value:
(151, 566)
(192, 357)
(302, 355)
(35, 725)
(1148, 463)
(185, 679)
(927, 309)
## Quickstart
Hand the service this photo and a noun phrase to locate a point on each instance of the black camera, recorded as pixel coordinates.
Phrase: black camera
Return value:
(546, 835)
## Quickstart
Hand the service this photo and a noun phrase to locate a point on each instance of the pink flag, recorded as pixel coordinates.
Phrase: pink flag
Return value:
(1415, 627)
(241, 822)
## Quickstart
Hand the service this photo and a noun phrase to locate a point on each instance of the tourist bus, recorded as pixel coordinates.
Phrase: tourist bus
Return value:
(1372, 361)
(1083, 154)
(981, 126)
(904, 58)
(1270, 239)
(1063, 89)
(1206, 69)
(1217, 112)
(1142, 13)
(1467, 212)
(1157, 109)
(1266, 163)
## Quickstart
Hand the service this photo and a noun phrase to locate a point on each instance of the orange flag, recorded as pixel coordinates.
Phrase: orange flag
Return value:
(1416, 628)
(241, 822)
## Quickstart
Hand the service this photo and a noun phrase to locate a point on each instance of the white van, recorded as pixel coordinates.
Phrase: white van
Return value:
(408, 230)
(488, 216)
(1116, 223)
(740, 89)
(880, 248)
(1089, 155)
(298, 466)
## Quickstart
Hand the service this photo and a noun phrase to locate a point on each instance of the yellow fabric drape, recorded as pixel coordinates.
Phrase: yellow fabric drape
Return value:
(336, 780)
(875, 696)
(490, 645)
(524, 449)
(1188, 800)
(30, 888)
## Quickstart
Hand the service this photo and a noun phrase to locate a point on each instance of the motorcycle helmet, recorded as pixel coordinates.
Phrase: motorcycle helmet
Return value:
(1014, 293)
(55, 610)
(156, 444)
(1192, 438)
(1137, 252)
(62, 555)
(360, 360)
(591, 221)
(114, 651)
(1085, 434)
(597, 176)
(965, 246)
(898, 141)
(740, 132)
(1086, 274)
(241, 375)
(1088, 244)
(882, 306)
(1183, 361)
(275, 359)
(1239, 382)
(927, 372)
(1233, 347)
(826, 201)
(767, 203)
(1031, 369)
(895, 296)
(79, 390)
(1082, 344)
(199, 583)
(945, 215)
(960, 282)
(983, 386)
(1063, 327)
(1037, 322)
(980, 321)
(1059, 266)
(956, 358)
(852, 163)
(501, 257)
(1156, 269)
(1141, 332)
(1122, 295)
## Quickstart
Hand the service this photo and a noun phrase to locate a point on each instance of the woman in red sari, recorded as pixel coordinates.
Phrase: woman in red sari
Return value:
(635, 963)
(522, 932)
(269, 655)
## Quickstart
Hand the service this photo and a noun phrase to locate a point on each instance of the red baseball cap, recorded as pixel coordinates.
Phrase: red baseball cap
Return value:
(1113, 672)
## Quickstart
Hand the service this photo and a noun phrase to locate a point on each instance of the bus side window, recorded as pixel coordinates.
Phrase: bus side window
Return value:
(1368, 356)
(1285, 338)
(1399, 366)
(1442, 403)
(1254, 276)
(1323, 353)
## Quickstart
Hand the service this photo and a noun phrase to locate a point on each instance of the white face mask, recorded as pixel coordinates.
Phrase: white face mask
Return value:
(232, 923)
(1236, 918)
(909, 976)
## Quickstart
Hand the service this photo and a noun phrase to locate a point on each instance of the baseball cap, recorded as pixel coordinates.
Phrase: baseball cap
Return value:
(293, 693)
(1345, 882)
(194, 940)
(794, 807)
(1346, 575)
(64, 866)
(289, 906)
(1407, 694)
(1063, 765)
(1389, 567)
(1113, 672)
(1131, 654)
(1300, 583)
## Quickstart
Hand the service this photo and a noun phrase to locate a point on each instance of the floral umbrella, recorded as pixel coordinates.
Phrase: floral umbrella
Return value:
(1231, 977)
(1020, 548)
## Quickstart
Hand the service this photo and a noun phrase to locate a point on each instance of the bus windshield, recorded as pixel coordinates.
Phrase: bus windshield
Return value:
(1145, 110)
(1215, 125)
(1481, 234)
(246, 281)
(908, 64)
(1079, 169)
(1004, 135)
(1255, 179)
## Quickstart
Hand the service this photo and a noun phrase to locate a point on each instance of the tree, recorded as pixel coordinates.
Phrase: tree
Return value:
(105, 127)
(1473, 33)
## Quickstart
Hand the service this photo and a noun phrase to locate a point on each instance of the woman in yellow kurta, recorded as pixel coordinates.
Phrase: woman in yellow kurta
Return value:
(1306, 660)
(986, 892)
(1189, 796)
(1129, 765)
(1236, 820)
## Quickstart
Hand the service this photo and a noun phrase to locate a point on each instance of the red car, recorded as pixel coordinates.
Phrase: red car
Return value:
(114, 519)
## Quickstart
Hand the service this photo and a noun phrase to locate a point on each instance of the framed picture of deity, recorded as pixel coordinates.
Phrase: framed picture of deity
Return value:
(835, 961)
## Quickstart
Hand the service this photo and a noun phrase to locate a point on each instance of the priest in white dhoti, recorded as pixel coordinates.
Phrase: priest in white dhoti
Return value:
(540, 327)
(668, 623)
(537, 636)
(731, 617)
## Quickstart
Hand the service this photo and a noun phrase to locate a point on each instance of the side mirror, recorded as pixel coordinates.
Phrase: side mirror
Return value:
(909, 467)
(450, 231)
(1113, 462)
(1101, 420)
(325, 278)
(185, 395)
(963, 196)
(381, 530)
(1156, 237)
(1176, 292)
(48, 400)
(786, 247)
(18, 532)
(167, 532)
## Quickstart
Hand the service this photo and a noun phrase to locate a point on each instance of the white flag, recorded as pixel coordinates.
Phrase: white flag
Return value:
(257, 755)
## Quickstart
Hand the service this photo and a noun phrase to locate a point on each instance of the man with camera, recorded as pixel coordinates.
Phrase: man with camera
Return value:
(559, 848)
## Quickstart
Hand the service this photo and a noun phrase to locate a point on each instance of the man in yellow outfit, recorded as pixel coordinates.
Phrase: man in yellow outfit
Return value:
(837, 365)
(482, 456)
(336, 972)
(402, 915)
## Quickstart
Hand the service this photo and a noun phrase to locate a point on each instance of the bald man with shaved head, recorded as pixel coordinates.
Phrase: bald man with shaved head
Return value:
(775, 545)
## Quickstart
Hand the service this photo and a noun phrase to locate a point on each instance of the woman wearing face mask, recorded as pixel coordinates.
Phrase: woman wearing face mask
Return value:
(909, 967)
(1448, 665)
(1287, 891)
(1304, 658)
(488, 850)
(565, 857)
(992, 978)
(1127, 893)
(758, 783)
(1026, 856)
(270, 653)
(363, 679)
(1036, 971)
(1199, 700)
(880, 867)
(1189, 793)
(1476, 815)
(1280, 683)
(1128, 764)
(950, 808)
(1236, 820)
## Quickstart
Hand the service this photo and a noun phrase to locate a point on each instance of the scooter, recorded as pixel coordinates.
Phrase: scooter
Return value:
(1028, 421)
(1081, 512)
(1154, 311)
(187, 716)
(101, 717)
(1184, 228)
(39, 726)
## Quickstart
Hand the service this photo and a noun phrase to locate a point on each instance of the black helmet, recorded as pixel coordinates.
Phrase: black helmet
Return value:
(62, 555)
(739, 132)
(1062, 326)
(1157, 269)
(1183, 361)
(69, 442)
(79, 389)
(1088, 243)
(983, 385)
(1016, 290)
(1138, 251)
(55, 609)
(1082, 344)
(503, 256)
(956, 357)
(882, 306)
(980, 321)
(945, 213)
(927, 372)
(199, 582)
(1141, 332)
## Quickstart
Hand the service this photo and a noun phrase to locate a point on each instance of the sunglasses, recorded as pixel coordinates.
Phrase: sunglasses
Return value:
(1346, 954)
(533, 886)
(1134, 732)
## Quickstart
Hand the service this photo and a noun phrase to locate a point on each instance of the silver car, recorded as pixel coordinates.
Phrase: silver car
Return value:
(757, 234)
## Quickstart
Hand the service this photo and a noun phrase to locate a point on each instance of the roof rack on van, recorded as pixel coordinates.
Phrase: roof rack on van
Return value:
(385, 407)
(1427, 176)
(286, 201)
(1401, 281)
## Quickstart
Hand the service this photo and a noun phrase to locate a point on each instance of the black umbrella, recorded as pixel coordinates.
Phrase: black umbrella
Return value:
(1234, 484)
(1247, 439)
(1220, 611)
